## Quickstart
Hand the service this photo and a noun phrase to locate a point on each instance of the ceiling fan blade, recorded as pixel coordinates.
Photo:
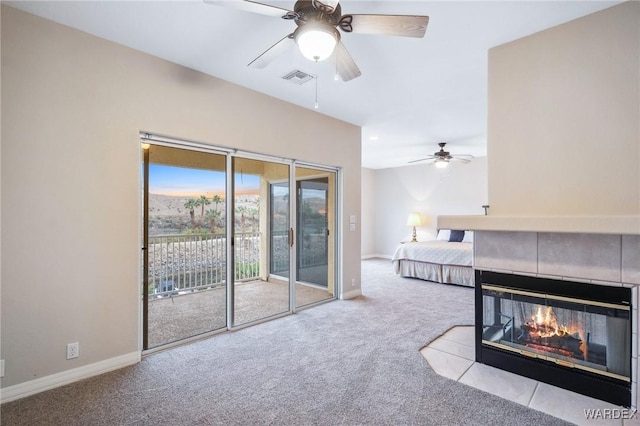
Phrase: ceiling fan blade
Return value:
(271, 53)
(251, 6)
(345, 65)
(395, 25)
(460, 160)
(431, 157)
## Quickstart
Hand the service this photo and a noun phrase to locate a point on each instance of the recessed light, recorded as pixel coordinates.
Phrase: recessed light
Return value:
(373, 138)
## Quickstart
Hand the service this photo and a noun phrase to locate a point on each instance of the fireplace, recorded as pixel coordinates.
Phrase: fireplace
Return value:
(572, 335)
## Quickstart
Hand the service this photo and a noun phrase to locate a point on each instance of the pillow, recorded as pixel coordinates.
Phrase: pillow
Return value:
(468, 237)
(443, 235)
(456, 236)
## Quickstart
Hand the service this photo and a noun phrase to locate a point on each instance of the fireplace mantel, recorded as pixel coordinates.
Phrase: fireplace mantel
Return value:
(621, 225)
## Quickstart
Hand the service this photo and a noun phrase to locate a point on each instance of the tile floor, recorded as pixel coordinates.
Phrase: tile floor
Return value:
(452, 355)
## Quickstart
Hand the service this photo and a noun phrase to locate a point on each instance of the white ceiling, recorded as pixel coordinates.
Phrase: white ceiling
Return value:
(413, 93)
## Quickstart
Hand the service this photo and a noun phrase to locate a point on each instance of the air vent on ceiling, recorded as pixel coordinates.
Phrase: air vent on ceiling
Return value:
(297, 77)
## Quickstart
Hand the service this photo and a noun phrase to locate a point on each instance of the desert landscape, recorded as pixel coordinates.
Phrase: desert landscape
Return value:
(171, 214)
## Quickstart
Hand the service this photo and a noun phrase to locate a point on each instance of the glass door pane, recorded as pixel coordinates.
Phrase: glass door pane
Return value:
(315, 207)
(313, 231)
(279, 229)
(261, 239)
(185, 239)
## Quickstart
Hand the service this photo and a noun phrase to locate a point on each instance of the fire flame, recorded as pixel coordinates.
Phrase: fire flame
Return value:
(546, 325)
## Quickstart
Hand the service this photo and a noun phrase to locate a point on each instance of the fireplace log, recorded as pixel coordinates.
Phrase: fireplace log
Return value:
(565, 342)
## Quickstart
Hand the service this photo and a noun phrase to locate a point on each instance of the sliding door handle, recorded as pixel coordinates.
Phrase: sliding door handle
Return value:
(290, 237)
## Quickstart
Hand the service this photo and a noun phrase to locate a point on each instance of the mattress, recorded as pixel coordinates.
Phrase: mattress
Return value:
(438, 252)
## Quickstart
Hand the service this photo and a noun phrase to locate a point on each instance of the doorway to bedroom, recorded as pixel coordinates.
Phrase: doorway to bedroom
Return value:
(231, 239)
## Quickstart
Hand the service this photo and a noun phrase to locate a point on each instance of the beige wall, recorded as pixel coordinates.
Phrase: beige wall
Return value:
(460, 189)
(563, 124)
(72, 108)
(368, 227)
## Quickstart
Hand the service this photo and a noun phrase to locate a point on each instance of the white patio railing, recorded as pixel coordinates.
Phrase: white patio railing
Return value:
(185, 263)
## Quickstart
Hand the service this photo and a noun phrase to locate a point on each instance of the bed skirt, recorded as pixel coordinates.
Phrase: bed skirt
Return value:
(461, 275)
(447, 274)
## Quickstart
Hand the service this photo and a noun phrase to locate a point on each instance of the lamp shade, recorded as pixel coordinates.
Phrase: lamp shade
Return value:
(316, 41)
(414, 219)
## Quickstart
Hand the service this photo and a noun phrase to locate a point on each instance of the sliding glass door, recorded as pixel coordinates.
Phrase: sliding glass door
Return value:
(230, 240)
(185, 244)
(313, 232)
(257, 294)
(315, 205)
(316, 230)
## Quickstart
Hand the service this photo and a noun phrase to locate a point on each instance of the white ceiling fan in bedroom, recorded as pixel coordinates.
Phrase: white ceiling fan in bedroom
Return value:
(442, 158)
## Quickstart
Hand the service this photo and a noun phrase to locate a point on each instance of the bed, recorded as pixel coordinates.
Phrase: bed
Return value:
(442, 260)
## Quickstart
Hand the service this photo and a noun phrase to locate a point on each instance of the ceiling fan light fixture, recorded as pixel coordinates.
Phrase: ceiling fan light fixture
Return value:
(441, 163)
(316, 41)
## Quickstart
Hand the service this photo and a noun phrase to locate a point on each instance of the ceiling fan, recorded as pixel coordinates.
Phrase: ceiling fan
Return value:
(442, 158)
(317, 36)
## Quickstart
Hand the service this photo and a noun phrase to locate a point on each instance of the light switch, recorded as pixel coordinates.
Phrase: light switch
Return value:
(352, 227)
(352, 219)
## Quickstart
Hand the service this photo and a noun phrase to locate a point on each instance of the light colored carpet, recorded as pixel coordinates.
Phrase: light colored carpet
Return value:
(354, 362)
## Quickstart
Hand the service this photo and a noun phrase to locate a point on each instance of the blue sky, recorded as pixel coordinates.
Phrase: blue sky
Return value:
(181, 181)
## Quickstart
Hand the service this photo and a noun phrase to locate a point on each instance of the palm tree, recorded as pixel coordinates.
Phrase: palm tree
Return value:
(212, 216)
(216, 200)
(242, 210)
(203, 201)
(191, 205)
(253, 213)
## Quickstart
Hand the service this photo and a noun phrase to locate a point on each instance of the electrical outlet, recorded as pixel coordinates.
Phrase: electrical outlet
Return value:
(353, 282)
(1, 367)
(73, 350)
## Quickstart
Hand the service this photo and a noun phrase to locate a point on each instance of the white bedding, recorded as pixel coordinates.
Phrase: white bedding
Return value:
(438, 261)
(440, 252)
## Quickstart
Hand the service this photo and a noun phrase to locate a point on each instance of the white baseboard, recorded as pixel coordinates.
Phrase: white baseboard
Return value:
(42, 384)
(351, 294)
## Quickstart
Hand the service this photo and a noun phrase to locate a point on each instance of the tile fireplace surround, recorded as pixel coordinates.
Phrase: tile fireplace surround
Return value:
(604, 259)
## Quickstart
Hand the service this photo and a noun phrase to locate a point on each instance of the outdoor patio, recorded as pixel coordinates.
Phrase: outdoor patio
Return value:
(187, 283)
(176, 317)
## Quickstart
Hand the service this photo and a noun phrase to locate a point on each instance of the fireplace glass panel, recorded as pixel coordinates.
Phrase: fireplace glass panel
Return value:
(574, 333)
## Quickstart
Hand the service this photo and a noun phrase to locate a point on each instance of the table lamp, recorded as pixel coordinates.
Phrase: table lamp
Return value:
(414, 220)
